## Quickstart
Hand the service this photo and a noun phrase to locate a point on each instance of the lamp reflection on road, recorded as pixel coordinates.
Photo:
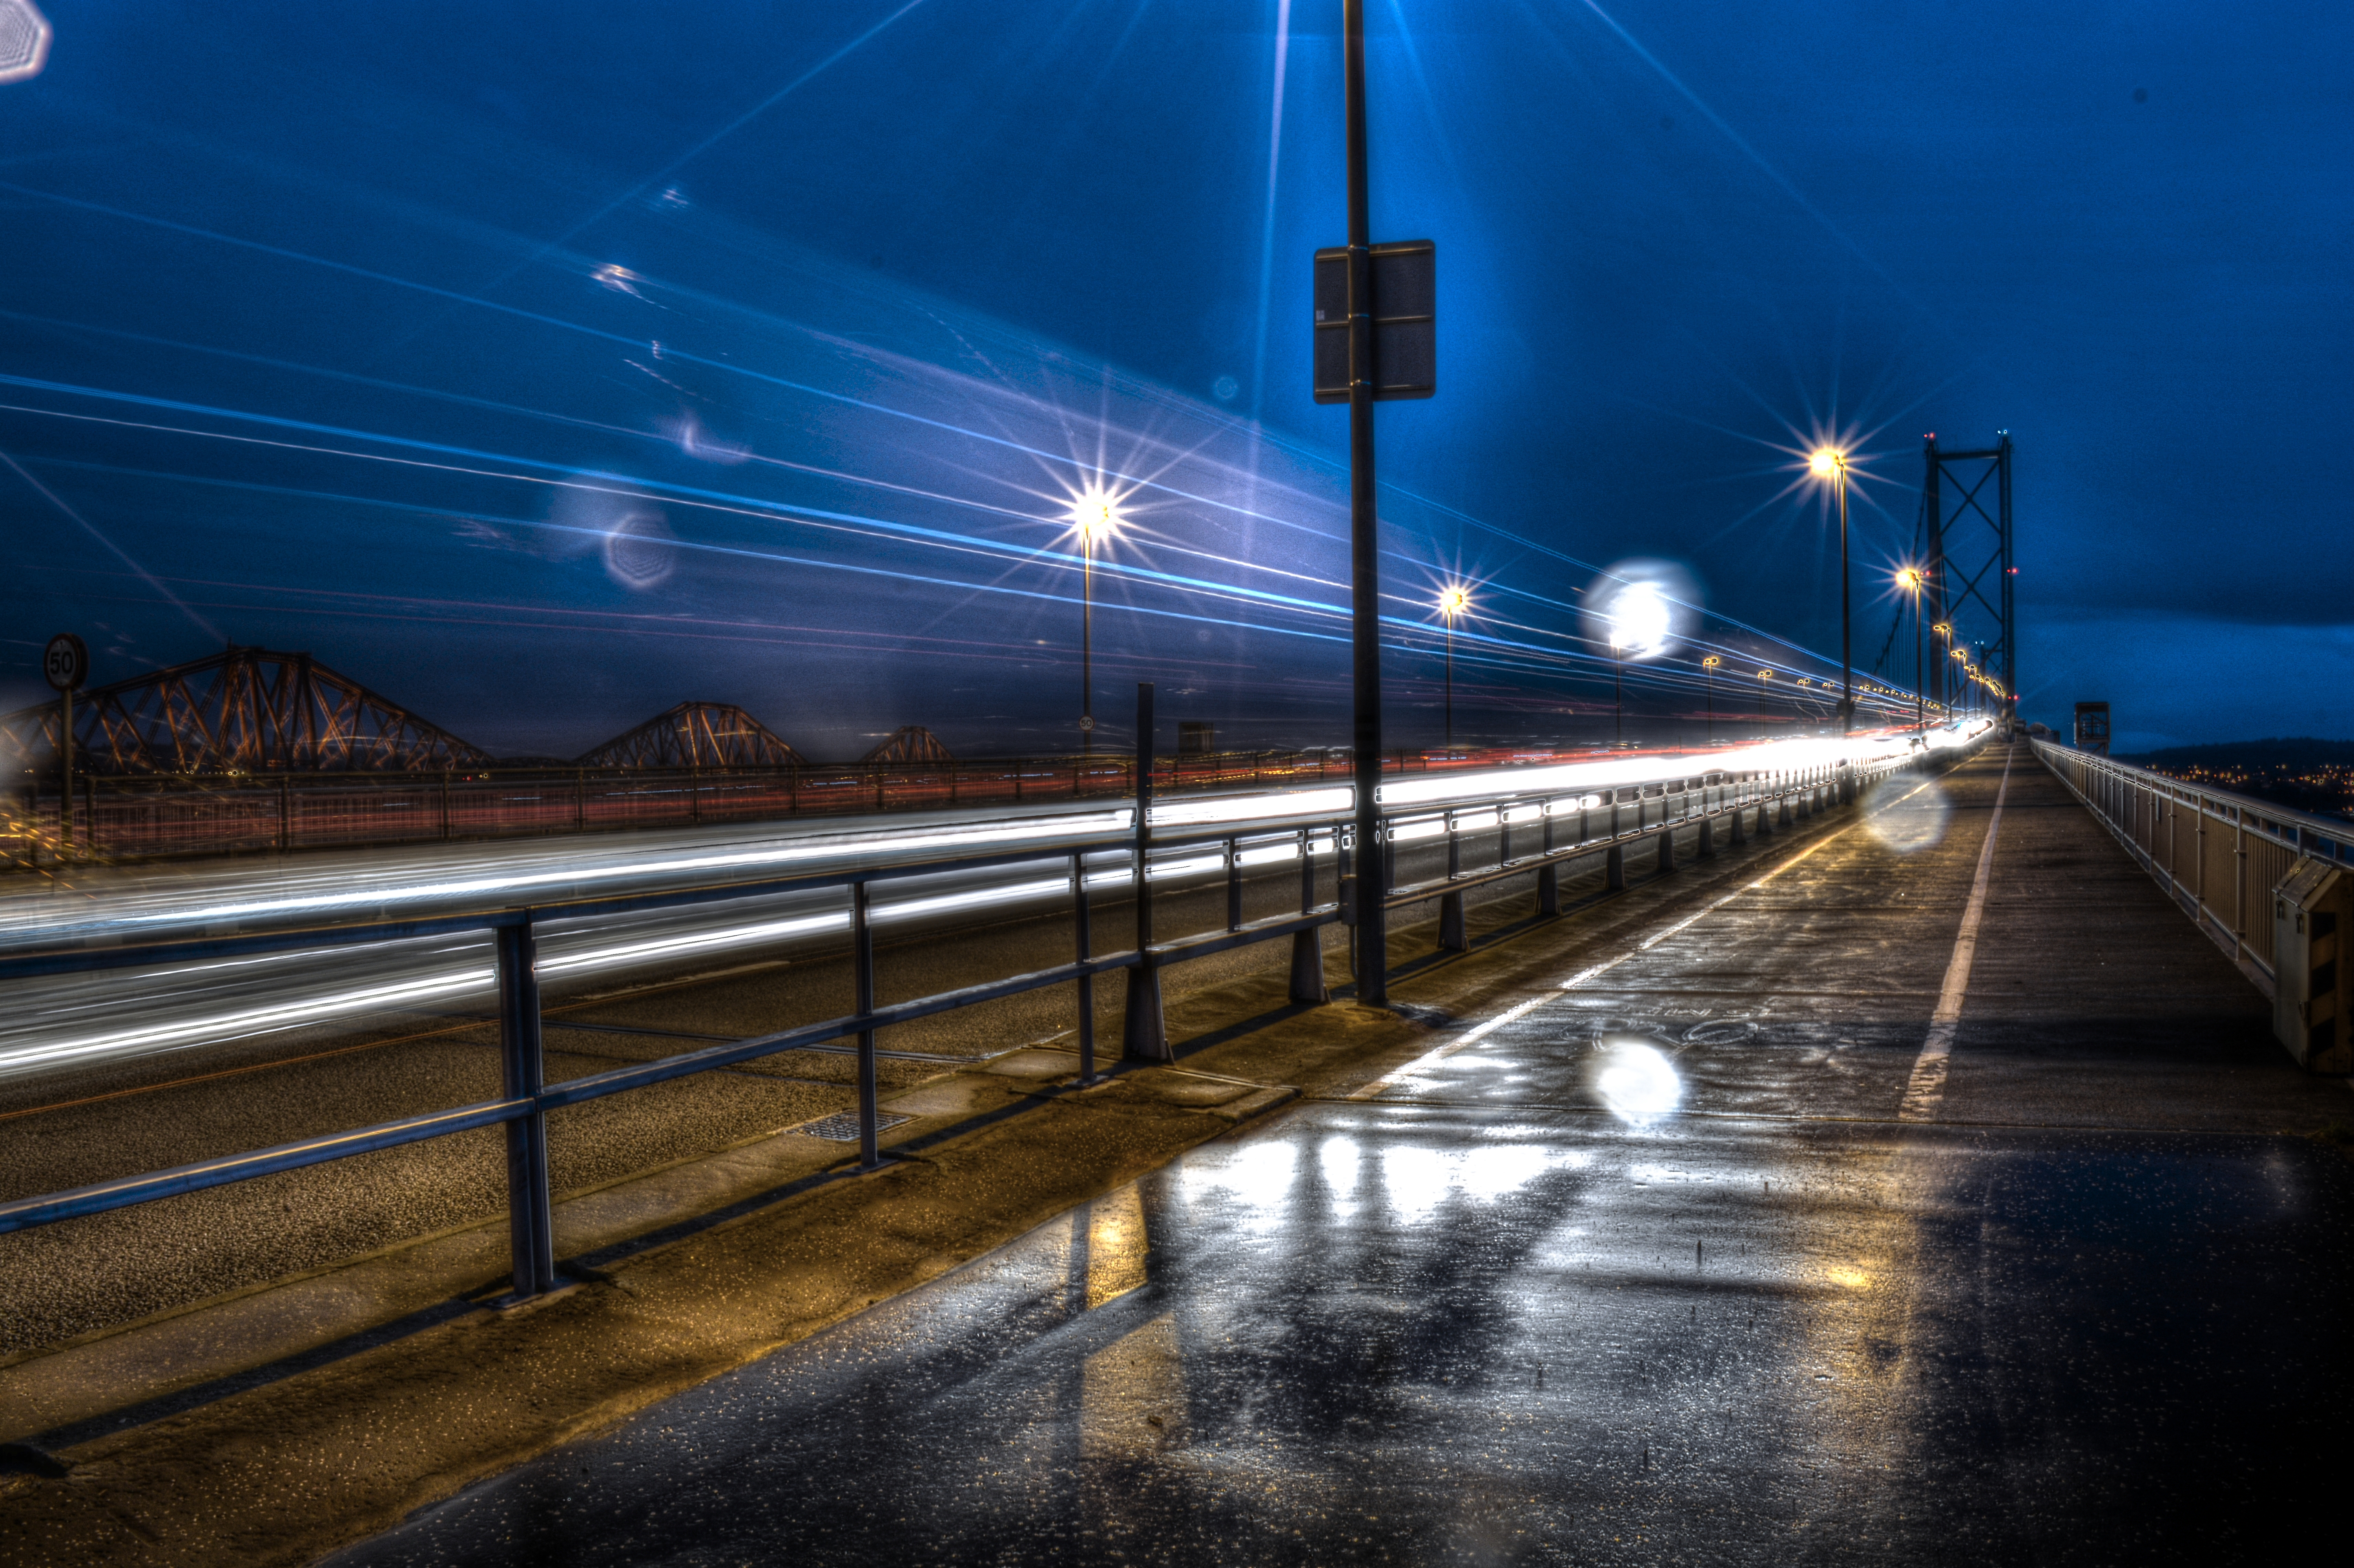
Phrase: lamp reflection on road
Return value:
(1636, 1080)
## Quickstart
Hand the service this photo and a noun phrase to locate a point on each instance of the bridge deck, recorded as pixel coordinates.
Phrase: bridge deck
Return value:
(2078, 1300)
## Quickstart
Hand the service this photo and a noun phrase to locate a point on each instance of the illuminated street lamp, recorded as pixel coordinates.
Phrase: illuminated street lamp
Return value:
(1708, 678)
(1910, 580)
(1452, 602)
(1094, 517)
(1763, 676)
(1830, 463)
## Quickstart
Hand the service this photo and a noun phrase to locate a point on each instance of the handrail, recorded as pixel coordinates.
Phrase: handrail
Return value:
(2227, 892)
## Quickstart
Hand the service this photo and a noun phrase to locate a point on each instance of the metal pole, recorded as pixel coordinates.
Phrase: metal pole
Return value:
(1146, 1034)
(1373, 909)
(1932, 507)
(1847, 665)
(531, 1215)
(2010, 623)
(1088, 1073)
(1087, 644)
(861, 950)
(64, 770)
(1450, 682)
(1618, 699)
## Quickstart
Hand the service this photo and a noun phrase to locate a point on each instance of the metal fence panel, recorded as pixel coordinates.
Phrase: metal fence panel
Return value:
(2218, 855)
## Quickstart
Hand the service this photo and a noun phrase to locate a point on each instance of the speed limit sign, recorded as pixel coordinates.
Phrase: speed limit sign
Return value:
(66, 662)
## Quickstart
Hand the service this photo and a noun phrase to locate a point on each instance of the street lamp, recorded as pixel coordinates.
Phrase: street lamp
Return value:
(1638, 621)
(1910, 580)
(1095, 516)
(1830, 463)
(1452, 602)
(1617, 690)
(1708, 679)
(1763, 676)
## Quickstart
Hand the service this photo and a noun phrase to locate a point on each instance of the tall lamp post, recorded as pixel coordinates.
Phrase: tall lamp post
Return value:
(1830, 463)
(1094, 515)
(1453, 602)
(1708, 679)
(1910, 579)
(1617, 691)
(1763, 676)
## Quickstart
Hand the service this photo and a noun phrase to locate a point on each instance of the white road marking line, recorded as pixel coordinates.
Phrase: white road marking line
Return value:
(1479, 1031)
(1928, 1082)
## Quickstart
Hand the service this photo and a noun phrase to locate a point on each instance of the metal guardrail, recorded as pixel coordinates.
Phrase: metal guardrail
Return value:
(1606, 821)
(2219, 855)
(149, 817)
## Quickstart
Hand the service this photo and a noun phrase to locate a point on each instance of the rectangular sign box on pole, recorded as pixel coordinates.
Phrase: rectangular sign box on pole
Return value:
(1405, 327)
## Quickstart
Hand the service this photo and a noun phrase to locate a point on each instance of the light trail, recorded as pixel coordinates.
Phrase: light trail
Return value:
(54, 1022)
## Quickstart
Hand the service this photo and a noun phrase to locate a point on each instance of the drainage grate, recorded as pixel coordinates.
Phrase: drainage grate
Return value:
(841, 1127)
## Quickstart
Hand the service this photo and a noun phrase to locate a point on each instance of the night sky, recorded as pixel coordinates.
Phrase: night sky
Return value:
(541, 366)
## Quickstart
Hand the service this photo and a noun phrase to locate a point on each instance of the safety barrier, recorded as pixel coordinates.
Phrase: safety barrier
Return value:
(2217, 854)
(1567, 825)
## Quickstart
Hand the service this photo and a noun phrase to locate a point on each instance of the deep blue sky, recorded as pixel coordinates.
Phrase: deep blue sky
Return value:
(313, 311)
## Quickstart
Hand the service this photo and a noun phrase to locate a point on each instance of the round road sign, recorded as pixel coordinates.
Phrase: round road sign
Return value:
(66, 662)
(1088, 721)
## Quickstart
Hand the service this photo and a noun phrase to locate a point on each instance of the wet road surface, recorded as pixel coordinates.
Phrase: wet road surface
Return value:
(1673, 1259)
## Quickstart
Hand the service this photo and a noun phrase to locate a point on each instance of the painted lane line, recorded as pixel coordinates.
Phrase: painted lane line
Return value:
(1479, 1031)
(1928, 1082)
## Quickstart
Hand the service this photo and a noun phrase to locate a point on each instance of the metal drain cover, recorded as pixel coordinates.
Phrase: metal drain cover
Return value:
(841, 1127)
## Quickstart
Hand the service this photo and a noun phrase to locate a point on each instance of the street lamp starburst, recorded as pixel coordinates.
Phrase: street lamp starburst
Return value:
(1094, 517)
(1454, 600)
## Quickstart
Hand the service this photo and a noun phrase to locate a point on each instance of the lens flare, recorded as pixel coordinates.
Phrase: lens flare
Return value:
(1636, 1080)
(1640, 610)
(1906, 816)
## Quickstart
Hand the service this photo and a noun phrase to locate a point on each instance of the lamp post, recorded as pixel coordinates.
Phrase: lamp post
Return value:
(1910, 577)
(1452, 602)
(1708, 680)
(1830, 463)
(1617, 693)
(1094, 515)
(1763, 676)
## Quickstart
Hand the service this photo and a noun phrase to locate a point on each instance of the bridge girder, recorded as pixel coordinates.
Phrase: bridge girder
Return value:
(910, 743)
(250, 710)
(697, 735)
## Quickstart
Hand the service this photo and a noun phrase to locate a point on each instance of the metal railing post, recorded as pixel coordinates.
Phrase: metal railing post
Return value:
(2239, 885)
(1233, 884)
(1548, 873)
(531, 1215)
(1084, 946)
(1452, 936)
(862, 952)
(1145, 1037)
(1307, 947)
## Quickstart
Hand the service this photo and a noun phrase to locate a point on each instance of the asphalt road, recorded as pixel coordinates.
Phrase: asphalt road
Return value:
(1699, 1252)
